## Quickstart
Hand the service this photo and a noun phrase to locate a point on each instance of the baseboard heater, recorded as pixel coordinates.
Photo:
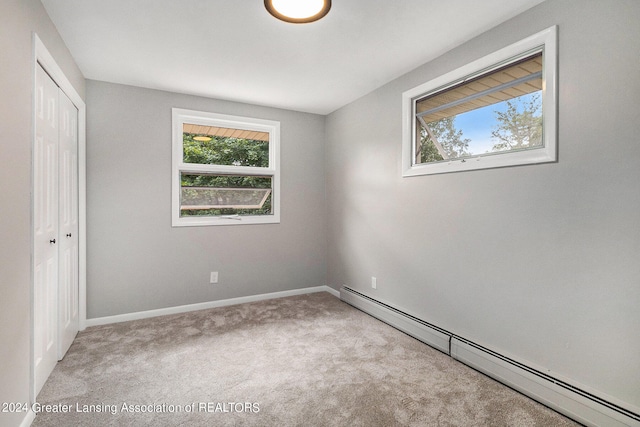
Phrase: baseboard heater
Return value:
(575, 403)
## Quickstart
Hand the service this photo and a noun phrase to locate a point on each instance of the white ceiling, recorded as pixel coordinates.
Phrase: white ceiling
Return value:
(235, 50)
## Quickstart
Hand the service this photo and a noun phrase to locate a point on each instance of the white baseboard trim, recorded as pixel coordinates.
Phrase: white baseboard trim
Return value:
(410, 326)
(206, 305)
(583, 406)
(572, 404)
(28, 419)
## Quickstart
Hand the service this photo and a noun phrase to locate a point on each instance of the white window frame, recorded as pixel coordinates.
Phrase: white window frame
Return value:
(545, 41)
(182, 116)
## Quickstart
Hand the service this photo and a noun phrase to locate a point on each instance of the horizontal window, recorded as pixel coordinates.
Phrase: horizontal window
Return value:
(224, 169)
(493, 113)
(497, 111)
(210, 195)
(210, 145)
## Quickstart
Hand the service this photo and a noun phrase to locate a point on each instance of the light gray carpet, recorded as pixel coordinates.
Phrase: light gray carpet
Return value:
(309, 360)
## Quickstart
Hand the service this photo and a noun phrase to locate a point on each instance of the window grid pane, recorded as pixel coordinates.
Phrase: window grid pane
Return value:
(489, 114)
(211, 145)
(214, 194)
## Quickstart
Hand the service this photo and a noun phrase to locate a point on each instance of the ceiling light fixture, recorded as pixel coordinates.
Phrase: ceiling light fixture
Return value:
(298, 11)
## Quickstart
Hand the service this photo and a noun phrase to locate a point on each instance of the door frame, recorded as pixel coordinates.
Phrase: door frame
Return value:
(42, 56)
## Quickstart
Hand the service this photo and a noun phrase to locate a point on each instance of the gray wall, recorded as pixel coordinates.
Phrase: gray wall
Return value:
(18, 19)
(137, 261)
(538, 262)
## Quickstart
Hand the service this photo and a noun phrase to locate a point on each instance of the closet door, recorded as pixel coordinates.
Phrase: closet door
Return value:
(55, 226)
(45, 224)
(68, 322)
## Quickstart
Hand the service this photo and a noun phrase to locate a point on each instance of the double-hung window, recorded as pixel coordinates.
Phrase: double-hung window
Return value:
(225, 169)
(499, 110)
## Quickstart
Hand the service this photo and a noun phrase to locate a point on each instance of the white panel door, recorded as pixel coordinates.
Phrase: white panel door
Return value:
(68, 321)
(45, 223)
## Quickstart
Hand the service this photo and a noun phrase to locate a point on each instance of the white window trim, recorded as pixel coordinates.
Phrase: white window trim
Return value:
(546, 41)
(182, 116)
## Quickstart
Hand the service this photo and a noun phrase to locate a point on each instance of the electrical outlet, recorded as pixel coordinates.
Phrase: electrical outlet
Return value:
(214, 277)
(374, 282)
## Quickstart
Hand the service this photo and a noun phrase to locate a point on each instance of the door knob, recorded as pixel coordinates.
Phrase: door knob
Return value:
(52, 241)
(68, 234)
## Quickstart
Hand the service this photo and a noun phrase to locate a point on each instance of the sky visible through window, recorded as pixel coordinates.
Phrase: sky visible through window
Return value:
(477, 125)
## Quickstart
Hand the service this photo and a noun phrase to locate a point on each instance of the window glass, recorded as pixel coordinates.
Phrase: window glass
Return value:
(206, 194)
(496, 112)
(224, 146)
